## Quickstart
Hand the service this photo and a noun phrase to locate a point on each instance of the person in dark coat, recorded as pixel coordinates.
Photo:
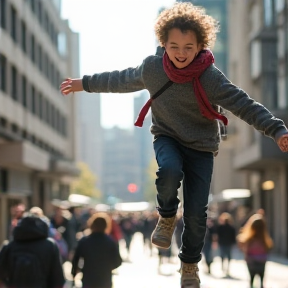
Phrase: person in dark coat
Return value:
(226, 236)
(30, 240)
(99, 252)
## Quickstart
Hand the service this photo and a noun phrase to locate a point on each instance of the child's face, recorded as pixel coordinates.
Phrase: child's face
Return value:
(182, 48)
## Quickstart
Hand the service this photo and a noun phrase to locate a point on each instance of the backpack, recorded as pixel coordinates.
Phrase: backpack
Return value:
(26, 270)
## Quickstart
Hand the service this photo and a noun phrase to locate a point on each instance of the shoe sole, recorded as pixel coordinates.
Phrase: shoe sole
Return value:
(161, 243)
(190, 285)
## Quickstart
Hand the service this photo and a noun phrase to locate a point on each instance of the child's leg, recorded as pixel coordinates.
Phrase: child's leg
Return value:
(169, 176)
(197, 168)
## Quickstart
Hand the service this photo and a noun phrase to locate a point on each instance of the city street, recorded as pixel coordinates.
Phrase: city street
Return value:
(141, 271)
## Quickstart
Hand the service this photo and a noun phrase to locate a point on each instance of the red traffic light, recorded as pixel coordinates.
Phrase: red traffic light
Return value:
(132, 187)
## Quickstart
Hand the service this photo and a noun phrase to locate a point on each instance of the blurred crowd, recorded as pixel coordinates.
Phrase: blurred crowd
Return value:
(75, 229)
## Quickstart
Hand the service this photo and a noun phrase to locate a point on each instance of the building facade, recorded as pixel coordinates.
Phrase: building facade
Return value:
(37, 124)
(258, 64)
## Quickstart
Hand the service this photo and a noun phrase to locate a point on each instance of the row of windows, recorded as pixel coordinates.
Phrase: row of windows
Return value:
(37, 8)
(29, 45)
(43, 18)
(25, 93)
(23, 134)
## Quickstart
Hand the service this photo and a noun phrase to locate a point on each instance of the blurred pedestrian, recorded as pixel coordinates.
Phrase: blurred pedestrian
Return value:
(226, 238)
(185, 121)
(53, 233)
(209, 241)
(255, 242)
(61, 221)
(16, 212)
(100, 254)
(31, 259)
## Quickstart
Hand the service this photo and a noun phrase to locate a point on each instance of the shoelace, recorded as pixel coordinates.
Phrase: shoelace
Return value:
(190, 269)
(166, 223)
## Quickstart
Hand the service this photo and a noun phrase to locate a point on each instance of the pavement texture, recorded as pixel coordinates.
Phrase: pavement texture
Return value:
(142, 270)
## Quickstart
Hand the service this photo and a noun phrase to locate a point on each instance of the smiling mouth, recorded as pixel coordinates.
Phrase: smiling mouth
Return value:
(181, 61)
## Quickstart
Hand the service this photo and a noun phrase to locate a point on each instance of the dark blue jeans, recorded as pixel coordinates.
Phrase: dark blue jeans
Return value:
(176, 163)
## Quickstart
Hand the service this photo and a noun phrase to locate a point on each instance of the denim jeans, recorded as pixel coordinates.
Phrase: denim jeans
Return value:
(176, 163)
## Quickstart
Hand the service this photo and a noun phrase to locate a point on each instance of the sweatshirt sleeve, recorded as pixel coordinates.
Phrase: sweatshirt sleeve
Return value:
(125, 81)
(238, 102)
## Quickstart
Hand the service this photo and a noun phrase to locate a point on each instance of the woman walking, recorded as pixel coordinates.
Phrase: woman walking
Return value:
(255, 242)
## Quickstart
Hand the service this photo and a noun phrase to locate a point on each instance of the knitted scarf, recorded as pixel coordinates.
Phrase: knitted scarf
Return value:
(191, 73)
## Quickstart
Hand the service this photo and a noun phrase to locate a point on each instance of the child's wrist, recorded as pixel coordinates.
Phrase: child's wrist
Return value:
(77, 85)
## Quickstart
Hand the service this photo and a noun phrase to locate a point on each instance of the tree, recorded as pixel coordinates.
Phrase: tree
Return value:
(86, 182)
(150, 188)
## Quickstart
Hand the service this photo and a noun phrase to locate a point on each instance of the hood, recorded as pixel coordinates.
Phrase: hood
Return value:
(31, 228)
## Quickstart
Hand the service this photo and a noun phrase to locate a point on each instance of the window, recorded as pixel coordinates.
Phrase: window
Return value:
(33, 56)
(269, 13)
(3, 71)
(23, 35)
(33, 5)
(256, 55)
(13, 24)
(40, 60)
(24, 92)
(14, 83)
(40, 106)
(33, 99)
(3, 14)
(3, 179)
(40, 12)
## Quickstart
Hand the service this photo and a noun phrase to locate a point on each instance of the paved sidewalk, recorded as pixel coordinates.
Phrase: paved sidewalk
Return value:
(142, 271)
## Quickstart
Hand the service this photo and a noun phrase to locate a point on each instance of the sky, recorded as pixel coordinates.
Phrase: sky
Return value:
(114, 35)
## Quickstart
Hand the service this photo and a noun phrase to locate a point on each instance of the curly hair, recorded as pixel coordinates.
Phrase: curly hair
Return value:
(185, 16)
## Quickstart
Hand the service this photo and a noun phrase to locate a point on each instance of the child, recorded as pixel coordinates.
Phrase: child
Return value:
(186, 135)
(255, 242)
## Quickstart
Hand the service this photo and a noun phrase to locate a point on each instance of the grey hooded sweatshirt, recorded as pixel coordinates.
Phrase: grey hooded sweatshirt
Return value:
(176, 112)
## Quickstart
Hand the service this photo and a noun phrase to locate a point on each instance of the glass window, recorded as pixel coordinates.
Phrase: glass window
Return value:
(3, 14)
(40, 106)
(23, 35)
(3, 73)
(40, 60)
(268, 13)
(14, 83)
(13, 24)
(33, 99)
(33, 54)
(279, 5)
(256, 56)
(24, 91)
(62, 44)
(3, 179)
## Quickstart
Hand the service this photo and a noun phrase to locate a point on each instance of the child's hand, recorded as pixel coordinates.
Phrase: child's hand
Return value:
(283, 143)
(71, 85)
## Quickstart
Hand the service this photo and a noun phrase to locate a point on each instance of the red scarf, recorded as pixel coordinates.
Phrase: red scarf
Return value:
(191, 73)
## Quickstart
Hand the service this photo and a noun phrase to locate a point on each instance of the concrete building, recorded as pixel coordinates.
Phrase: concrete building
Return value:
(258, 64)
(143, 142)
(90, 135)
(37, 124)
(120, 167)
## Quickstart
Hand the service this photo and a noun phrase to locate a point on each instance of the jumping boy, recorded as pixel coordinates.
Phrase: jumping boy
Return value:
(184, 123)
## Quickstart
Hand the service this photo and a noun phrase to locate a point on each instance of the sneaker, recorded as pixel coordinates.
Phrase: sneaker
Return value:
(163, 232)
(189, 275)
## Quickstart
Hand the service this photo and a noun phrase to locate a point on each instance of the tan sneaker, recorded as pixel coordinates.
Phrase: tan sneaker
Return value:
(163, 232)
(189, 275)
